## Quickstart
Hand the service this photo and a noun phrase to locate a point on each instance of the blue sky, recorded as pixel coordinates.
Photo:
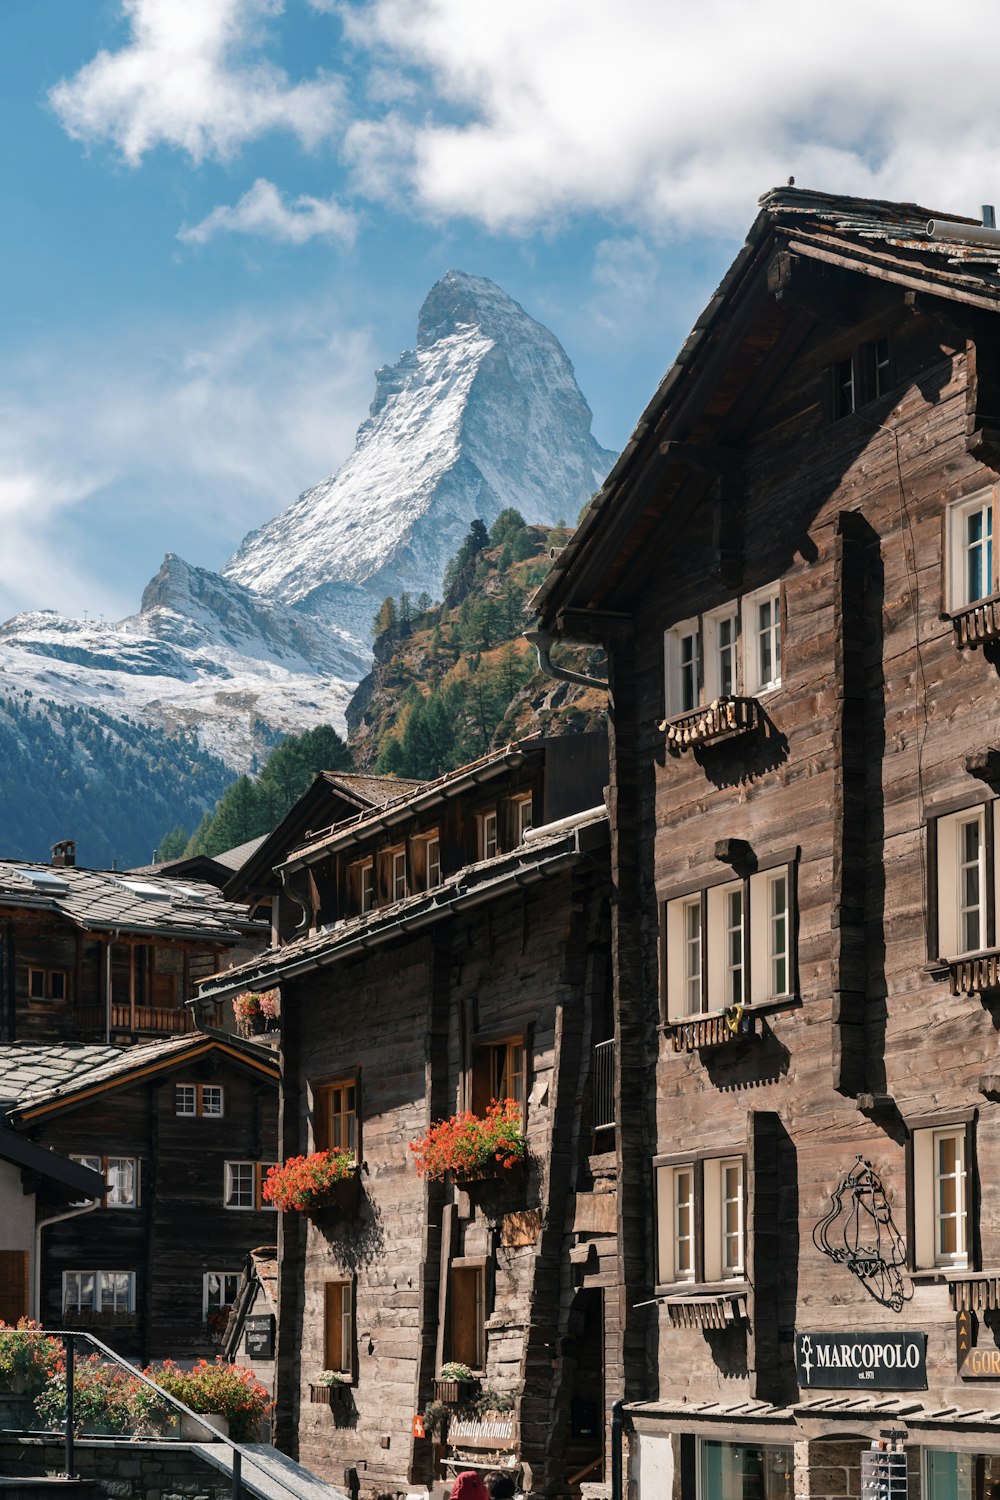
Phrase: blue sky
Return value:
(222, 215)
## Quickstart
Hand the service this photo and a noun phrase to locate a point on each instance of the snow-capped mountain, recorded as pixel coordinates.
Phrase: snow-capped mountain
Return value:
(483, 414)
(203, 655)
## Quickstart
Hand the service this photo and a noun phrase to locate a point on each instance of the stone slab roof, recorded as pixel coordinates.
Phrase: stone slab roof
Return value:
(108, 900)
(376, 790)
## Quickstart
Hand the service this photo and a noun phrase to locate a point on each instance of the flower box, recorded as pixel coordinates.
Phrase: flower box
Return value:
(329, 1395)
(311, 1184)
(491, 1171)
(452, 1392)
(343, 1196)
(471, 1147)
(200, 1429)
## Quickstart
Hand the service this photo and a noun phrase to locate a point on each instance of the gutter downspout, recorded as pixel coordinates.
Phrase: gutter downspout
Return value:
(36, 1265)
(543, 641)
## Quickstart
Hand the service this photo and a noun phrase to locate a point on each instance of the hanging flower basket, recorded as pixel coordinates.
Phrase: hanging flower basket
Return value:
(331, 1389)
(256, 1011)
(473, 1148)
(304, 1184)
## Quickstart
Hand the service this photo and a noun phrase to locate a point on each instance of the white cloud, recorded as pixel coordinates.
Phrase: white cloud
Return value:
(263, 211)
(191, 434)
(192, 76)
(675, 117)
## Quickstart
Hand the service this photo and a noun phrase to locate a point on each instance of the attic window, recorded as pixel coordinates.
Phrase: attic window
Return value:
(863, 376)
(187, 895)
(140, 888)
(43, 880)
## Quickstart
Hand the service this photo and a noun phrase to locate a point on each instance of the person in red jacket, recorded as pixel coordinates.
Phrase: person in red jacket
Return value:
(469, 1486)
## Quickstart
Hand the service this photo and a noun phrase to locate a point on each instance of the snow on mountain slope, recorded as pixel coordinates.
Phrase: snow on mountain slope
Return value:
(202, 655)
(484, 413)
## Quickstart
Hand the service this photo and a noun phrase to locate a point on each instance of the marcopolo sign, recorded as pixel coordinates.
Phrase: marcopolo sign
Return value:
(862, 1361)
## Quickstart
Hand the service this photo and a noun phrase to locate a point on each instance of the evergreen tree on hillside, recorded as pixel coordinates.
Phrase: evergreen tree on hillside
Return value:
(173, 844)
(507, 524)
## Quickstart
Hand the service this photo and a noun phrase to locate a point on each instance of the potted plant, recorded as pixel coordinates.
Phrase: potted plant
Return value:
(473, 1147)
(255, 1011)
(455, 1383)
(231, 1392)
(331, 1388)
(106, 1402)
(321, 1180)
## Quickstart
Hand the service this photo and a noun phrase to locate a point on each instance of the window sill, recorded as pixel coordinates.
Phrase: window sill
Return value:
(973, 973)
(714, 1029)
(711, 723)
(976, 624)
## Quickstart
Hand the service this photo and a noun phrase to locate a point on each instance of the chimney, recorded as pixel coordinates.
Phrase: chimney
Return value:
(64, 854)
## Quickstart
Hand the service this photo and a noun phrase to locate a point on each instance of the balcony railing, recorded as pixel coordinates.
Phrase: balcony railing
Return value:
(722, 719)
(125, 1017)
(604, 1085)
(977, 624)
(977, 974)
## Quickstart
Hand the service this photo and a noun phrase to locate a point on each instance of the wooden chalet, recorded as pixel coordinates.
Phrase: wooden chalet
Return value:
(793, 569)
(452, 949)
(179, 1134)
(87, 955)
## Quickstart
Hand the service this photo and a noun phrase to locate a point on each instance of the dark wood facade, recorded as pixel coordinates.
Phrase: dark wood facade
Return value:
(822, 447)
(408, 1002)
(166, 1124)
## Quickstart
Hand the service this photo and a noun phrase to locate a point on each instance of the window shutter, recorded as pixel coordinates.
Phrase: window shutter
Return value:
(467, 1315)
(664, 1225)
(922, 1189)
(383, 878)
(712, 1218)
(333, 1317)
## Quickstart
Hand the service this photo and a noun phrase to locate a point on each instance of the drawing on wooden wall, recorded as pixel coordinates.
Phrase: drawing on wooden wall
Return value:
(859, 1233)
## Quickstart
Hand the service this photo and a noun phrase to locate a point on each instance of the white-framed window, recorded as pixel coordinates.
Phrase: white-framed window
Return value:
(218, 1290)
(243, 1184)
(729, 945)
(521, 819)
(722, 640)
(966, 896)
(102, 1292)
(361, 884)
(397, 874)
(762, 640)
(202, 1101)
(728, 651)
(941, 1197)
(433, 866)
(488, 845)
(121, 1176)
(700, 1217)
(971, 562)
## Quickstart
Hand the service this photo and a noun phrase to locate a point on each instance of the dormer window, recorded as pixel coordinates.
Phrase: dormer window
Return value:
(425, 861)
(361, 885)
(863, 376)
(522, 813)
(397, 874)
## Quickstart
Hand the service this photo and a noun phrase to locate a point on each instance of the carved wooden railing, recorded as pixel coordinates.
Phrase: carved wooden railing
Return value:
(706, 1311)
(973, 1291)
(722, 719)
(153, 1018)
(977, 624)
(976, 974)
(711, 1031)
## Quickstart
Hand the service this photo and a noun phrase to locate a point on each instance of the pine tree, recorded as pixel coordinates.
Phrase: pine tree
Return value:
(385, 620)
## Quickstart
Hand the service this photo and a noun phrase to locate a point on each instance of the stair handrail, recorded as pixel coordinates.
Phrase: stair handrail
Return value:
(69, 1338)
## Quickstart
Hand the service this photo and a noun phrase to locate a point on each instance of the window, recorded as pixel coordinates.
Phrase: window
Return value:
(744, 1471)
(48, 984)
(243, 1184)
(971, 567)
(730, 651)
(864, 375)
(335, 1116)
(962, 845)
(941, 1182)
(521, 809)
(105, 1293)
(700, 1220)
(218, 1290)
(729, 945)
(881, 365)
(488, 845)
(202, 1101)
(846, 389)
(467, 1314)
(425, 858)
(498, 1072)
(338, 1326)
(397, 874)
(121, 1175)
(762, 634)
(361, 885)
(949, 1475)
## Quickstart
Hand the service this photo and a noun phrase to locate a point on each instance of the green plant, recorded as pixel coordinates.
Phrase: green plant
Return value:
(232, 1390)
(455, 1370)
(303, 1181)
(27, 1357)
(465, 1143)
(103, 1396)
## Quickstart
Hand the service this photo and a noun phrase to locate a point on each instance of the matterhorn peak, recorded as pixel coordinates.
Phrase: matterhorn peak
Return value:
(483, 414)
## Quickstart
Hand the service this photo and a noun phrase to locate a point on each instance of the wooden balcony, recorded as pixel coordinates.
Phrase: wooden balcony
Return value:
(154, 1020)
(977, 974)
(710, 724)
(711, 1031)
(978, 624)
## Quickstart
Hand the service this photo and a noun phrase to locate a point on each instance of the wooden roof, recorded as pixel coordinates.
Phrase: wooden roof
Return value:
(744, 338)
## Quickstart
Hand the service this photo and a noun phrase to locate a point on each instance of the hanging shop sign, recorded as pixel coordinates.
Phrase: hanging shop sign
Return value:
(260, 1336)
(861, 1361)
(858, 1232)
(974, 1363)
